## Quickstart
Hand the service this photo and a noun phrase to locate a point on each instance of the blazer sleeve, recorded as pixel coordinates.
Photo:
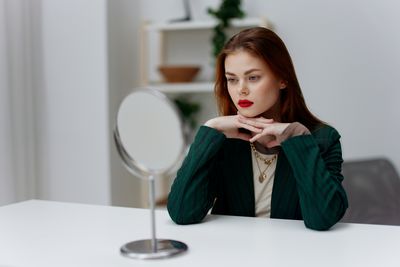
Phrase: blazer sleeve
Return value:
(316, 161)
(194, 188)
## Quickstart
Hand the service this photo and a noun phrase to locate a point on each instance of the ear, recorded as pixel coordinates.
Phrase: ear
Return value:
(282, 84)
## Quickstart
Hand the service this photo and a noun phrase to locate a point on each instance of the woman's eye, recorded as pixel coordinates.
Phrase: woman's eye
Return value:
(231, 80)
(254, 78)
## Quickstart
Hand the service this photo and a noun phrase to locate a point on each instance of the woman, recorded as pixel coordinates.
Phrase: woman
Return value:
(267, 155)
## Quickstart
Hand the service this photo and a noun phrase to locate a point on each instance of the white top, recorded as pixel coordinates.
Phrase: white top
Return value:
(47, 234)
(263, 191)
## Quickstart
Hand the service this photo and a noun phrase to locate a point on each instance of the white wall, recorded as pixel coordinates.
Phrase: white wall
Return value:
(75, 135)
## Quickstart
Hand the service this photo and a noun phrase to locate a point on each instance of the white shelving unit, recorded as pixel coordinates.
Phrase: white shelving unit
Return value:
(161, 29)
(205, 24)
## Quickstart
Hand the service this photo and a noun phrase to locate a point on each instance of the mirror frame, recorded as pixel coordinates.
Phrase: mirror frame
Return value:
(136, 168)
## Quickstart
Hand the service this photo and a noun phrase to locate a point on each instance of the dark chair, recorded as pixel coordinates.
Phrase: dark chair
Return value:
(373, 191)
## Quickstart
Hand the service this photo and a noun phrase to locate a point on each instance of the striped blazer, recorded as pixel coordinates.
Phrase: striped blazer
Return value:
(217, 173)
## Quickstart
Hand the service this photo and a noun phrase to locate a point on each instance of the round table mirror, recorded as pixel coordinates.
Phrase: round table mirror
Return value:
(149, 138)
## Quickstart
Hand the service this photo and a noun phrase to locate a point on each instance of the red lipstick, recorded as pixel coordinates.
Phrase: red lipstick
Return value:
(245, 103)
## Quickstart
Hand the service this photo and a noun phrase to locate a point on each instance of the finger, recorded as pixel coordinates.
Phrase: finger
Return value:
(249, 127)
(256, 137)
(268, 129)
(263, 119)
(260, 119)
(251, 122)
(260, 123)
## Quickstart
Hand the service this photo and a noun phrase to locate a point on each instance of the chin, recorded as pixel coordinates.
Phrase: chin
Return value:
(248, 113)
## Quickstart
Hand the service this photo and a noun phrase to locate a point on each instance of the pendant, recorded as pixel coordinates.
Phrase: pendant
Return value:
(262, 177)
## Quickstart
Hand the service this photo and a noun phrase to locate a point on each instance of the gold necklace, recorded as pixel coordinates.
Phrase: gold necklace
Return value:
(267, 162)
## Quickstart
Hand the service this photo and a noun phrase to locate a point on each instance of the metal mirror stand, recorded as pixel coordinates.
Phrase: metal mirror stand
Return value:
(148, 248)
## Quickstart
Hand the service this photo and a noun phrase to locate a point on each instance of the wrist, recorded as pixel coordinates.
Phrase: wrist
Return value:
(210, 123)
(292, 130)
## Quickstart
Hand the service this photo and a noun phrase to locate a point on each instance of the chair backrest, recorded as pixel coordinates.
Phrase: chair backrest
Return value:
(373, 191)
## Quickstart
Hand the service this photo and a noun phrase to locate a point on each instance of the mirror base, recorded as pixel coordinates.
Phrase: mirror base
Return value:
(142, 249)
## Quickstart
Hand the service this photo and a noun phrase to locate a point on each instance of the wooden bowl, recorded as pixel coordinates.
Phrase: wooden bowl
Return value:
(179, 73)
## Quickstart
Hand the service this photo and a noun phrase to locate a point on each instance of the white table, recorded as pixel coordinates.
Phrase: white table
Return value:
(43, 233)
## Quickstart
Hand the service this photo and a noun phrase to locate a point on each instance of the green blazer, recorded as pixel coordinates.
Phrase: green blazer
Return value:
(217, 173)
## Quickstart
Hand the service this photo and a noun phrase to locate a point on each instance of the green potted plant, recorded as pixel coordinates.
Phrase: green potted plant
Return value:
(228, 10)
(189, 110)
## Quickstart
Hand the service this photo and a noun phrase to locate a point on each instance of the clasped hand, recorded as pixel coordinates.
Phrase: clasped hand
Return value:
(265, 131)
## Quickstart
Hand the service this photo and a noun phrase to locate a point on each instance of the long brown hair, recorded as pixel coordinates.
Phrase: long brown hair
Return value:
(265, 44)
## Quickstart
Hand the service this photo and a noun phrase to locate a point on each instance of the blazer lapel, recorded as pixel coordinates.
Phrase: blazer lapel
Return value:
(284, 200)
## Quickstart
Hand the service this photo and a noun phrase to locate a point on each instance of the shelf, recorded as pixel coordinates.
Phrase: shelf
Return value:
(204, 24)
(159, 31)
(195, 87)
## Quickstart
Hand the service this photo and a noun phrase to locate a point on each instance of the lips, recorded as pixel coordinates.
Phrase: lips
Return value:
(245, 103)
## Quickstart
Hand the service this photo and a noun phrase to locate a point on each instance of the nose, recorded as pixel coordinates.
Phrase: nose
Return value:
(243, 89)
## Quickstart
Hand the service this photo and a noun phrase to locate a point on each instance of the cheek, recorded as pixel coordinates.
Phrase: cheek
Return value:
(266, 88)
(233, 97)
(231, 93)
(269, 93)
(272, 95)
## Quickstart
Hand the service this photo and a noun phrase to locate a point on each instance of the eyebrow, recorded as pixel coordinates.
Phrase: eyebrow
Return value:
(247, 72)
